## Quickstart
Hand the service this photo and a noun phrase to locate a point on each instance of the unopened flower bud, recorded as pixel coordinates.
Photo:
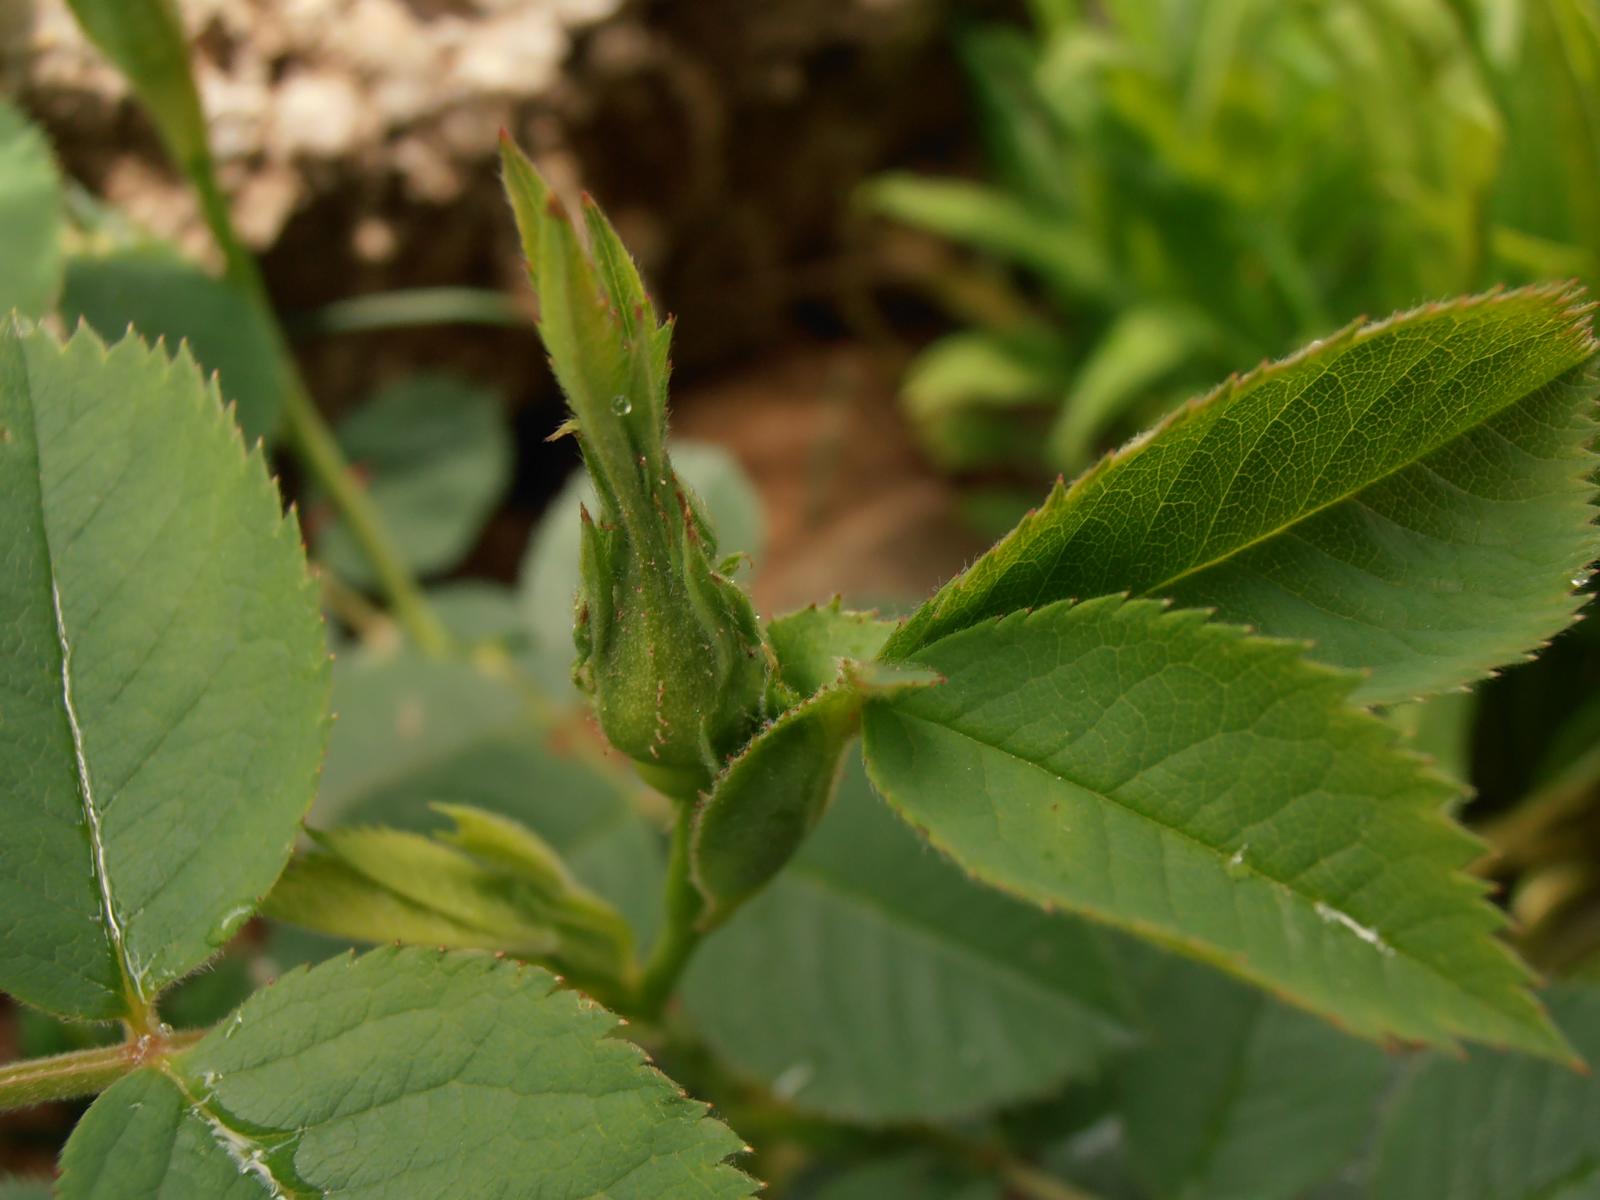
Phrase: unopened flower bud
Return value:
(669, 649)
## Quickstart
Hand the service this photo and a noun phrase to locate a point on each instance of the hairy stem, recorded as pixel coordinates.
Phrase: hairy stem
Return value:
(678, 937)
(84, 1072)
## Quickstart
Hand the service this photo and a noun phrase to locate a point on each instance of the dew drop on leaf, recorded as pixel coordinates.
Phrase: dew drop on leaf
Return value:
(1237, 867)
(621, 405)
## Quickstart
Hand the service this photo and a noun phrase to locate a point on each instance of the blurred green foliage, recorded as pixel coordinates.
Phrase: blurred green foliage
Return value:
(1181, 188)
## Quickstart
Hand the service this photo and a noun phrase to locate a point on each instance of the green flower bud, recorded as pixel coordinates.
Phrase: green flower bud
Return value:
(669, 649)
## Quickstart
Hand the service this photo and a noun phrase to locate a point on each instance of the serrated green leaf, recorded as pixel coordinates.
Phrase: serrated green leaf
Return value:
(874, 982)
(435, 455)
(489, 884)
(440, 879)
(515, 848)
(30, 214)
(1410, 496)
(1440, 728)
(1496, 1126)
(765, 802)
(165, 682)
(548, 578)
(811, 641)
(164, 296)
(324, 893)
(1233, 1096)
(436, 1075)
(414, 733)
(1214, 792)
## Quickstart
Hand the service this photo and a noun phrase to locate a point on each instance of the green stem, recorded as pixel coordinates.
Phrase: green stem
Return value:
(678, 937)
(320, 452)
(314, 441)
(83, 1072)
(369, 622)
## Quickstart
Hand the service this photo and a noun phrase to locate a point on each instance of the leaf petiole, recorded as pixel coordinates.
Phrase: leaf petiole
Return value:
(85, 1072)
(679, 936)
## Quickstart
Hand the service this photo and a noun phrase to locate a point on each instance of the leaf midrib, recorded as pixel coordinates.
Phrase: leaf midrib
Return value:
(939, 615)
(229, 1139)
(133, 997)
(1296, 894)
(91, 811)
(1304, 515)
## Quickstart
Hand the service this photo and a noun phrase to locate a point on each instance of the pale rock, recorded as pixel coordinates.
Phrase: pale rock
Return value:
(238, 110)
(263, 202)
(428, 172)
(517, 51)
(373, 239)
(319, 114)
(385, 40)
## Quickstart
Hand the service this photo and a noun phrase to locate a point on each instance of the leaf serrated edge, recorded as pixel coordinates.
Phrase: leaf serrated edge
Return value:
(600, 1024)
(1488, 918)
(177, 373)
(1570, 297)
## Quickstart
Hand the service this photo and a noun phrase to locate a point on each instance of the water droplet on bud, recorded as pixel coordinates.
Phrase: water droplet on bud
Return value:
(621, 405)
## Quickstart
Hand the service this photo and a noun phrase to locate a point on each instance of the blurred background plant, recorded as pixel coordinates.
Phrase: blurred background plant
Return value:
(1180, 188)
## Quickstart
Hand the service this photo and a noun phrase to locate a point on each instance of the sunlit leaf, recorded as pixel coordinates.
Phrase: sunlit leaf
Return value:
(1410, 496)
(165, 680)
